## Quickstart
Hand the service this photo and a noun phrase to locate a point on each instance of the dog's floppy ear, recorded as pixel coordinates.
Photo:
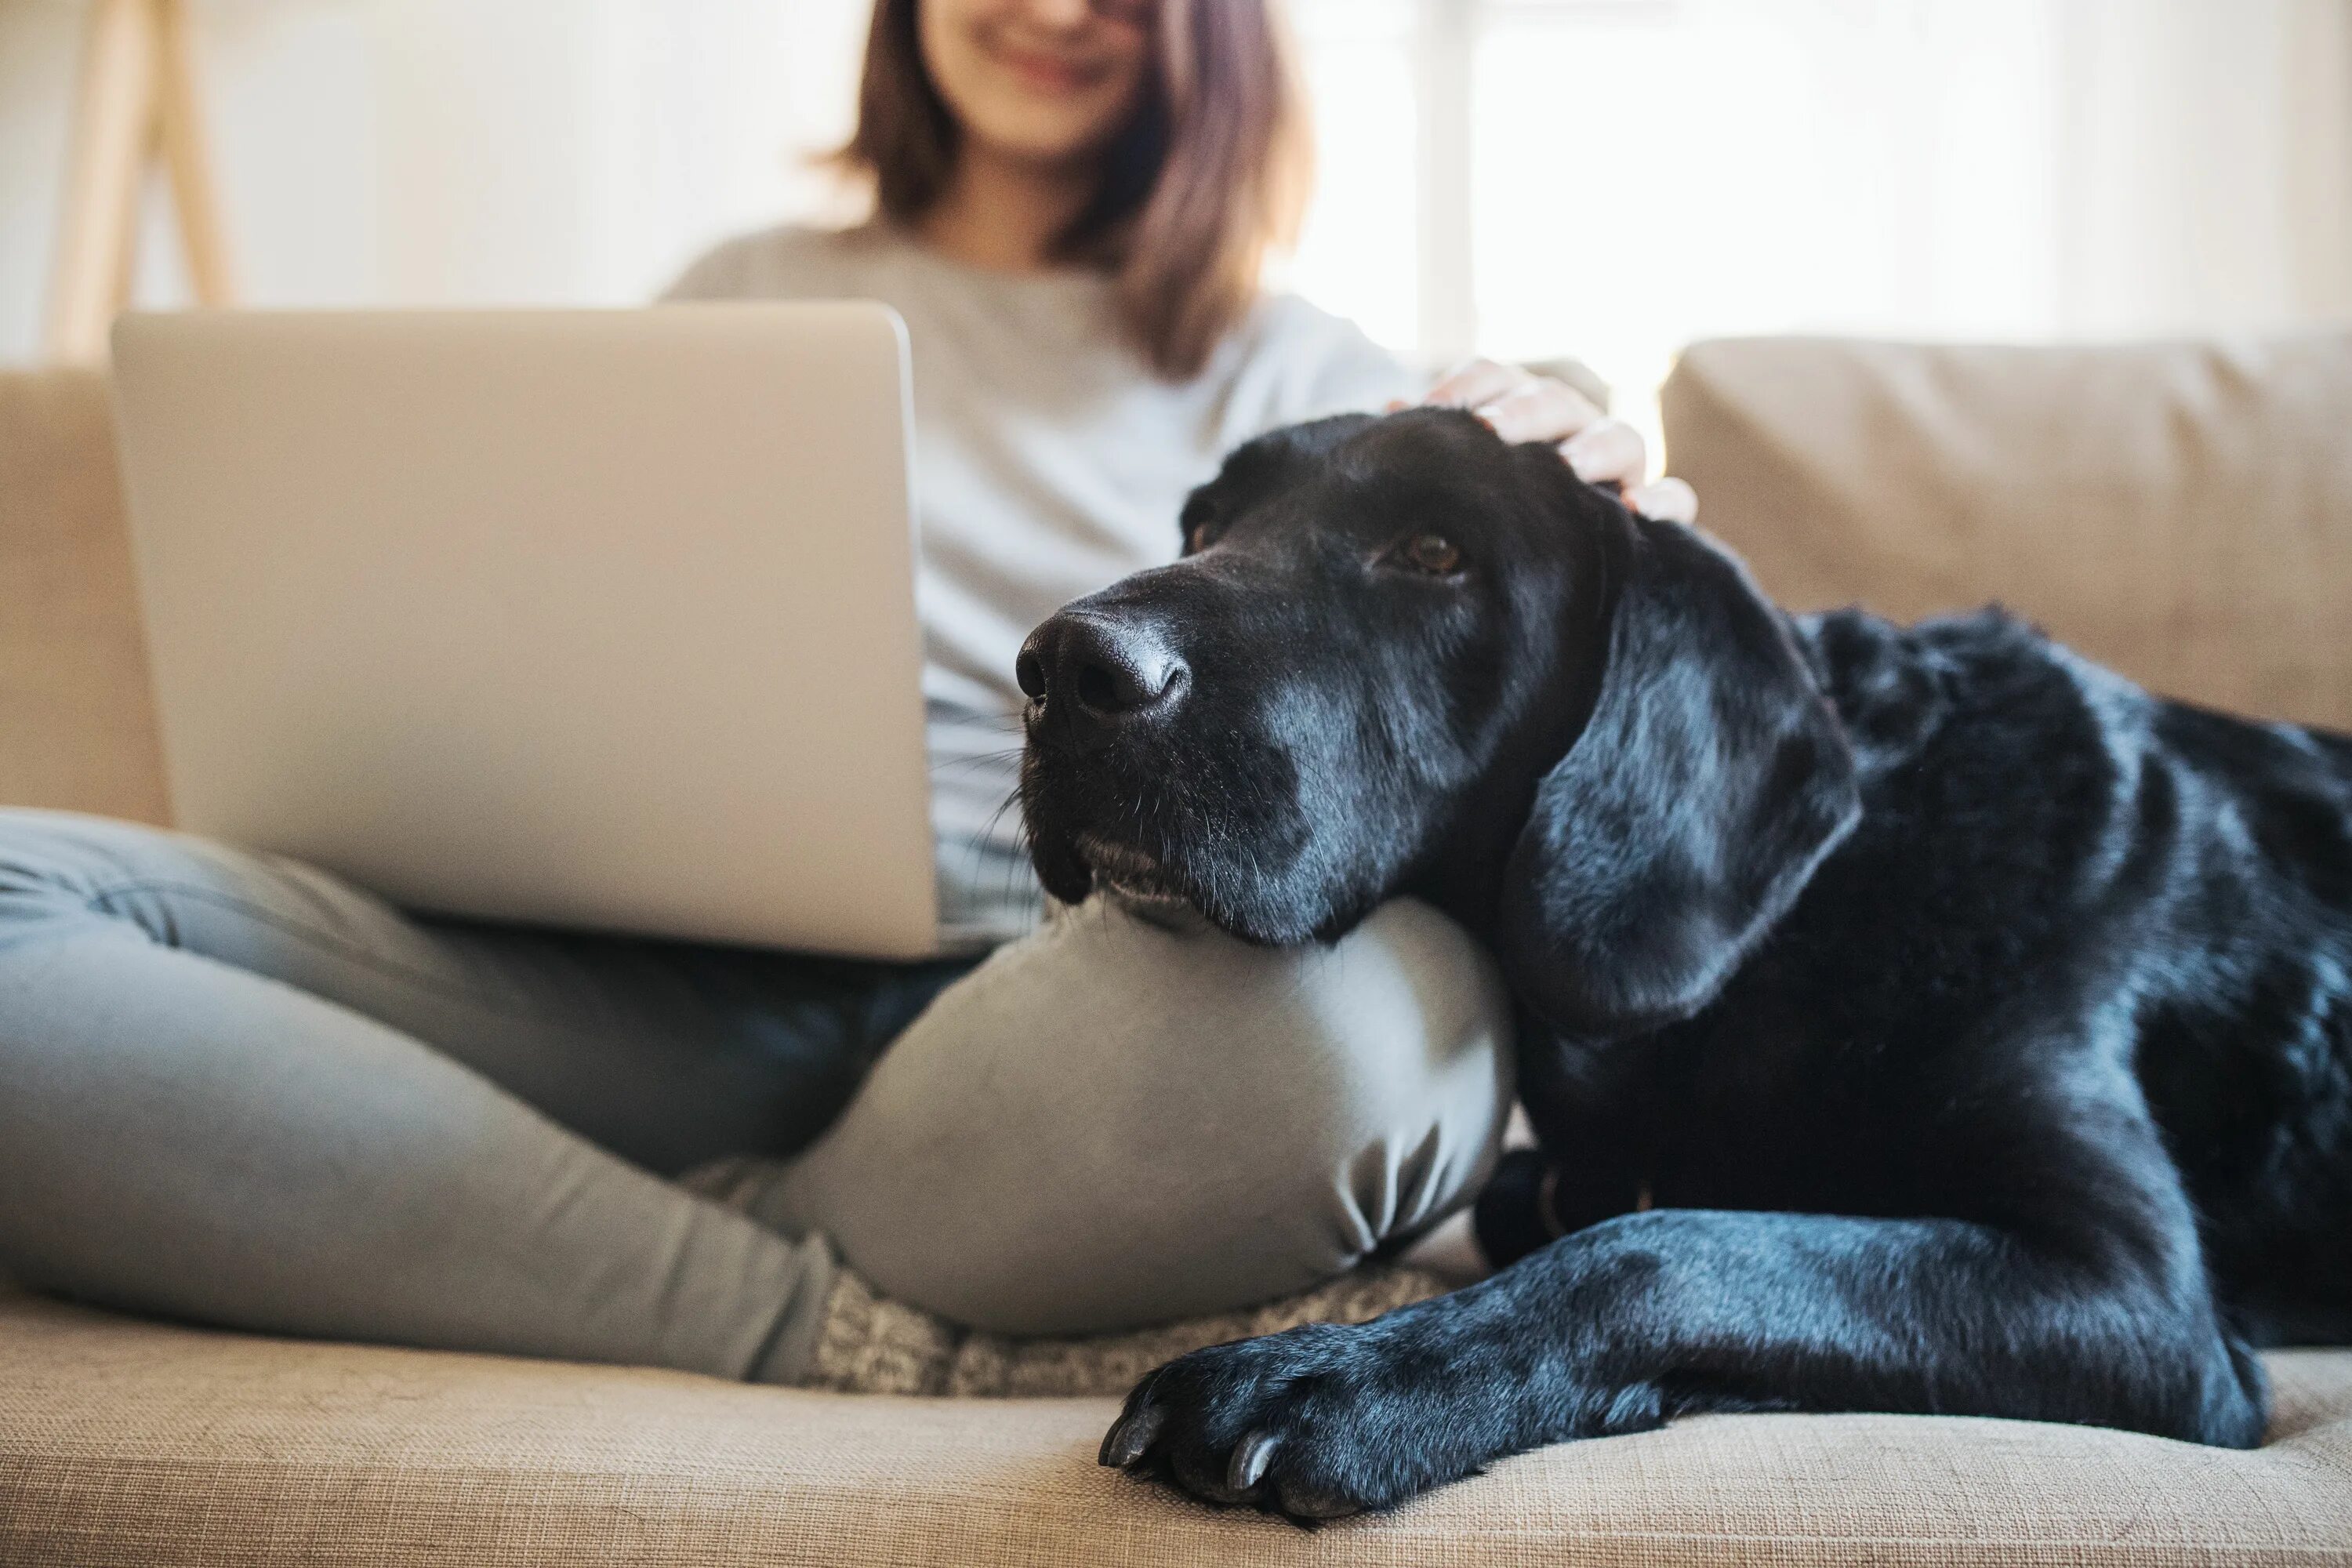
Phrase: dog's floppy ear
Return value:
(1710, 780)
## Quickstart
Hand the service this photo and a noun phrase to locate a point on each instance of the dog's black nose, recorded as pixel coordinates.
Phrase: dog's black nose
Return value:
(1103, 669)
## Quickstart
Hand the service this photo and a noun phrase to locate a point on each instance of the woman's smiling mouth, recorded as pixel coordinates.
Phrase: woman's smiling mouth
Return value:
(1048, 75)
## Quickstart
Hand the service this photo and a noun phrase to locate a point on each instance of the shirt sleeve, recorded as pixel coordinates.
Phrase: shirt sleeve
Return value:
(1358, 374)
(788, 262)
(715, 274)
(1332, 367)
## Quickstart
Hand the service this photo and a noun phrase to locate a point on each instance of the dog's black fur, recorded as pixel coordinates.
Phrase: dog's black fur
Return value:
(1914, 1020)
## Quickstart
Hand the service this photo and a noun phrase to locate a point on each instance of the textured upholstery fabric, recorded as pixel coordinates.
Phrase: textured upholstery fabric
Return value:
(76, 725)
(130, 1444)
(2182, 513)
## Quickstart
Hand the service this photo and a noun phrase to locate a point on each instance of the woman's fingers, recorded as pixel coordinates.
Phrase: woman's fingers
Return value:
(1477, 383)
(1668, 500)
(1519, 404)
(1524, 407)
(1607, 452)
(1541, 410)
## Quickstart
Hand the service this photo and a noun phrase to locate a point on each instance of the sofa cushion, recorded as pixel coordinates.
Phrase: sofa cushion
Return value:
(77, 718)
(124, 1442)
(2182, 512)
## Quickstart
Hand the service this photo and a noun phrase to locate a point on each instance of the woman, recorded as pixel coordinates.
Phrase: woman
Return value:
(241, 1091)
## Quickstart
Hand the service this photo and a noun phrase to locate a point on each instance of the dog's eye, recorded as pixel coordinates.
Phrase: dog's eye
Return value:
(1431, 552)
(1203, 525)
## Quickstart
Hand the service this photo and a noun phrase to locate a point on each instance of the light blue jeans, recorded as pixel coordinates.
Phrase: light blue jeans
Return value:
(238, 1090)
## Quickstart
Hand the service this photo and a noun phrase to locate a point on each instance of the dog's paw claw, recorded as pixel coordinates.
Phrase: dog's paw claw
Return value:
(1130, 1438)
(1301, 1423)
(1251, 1456)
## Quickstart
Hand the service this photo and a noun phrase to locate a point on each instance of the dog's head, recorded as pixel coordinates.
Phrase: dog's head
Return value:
(1399, 655)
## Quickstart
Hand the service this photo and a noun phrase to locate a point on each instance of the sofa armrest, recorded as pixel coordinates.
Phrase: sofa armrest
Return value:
(77, 714)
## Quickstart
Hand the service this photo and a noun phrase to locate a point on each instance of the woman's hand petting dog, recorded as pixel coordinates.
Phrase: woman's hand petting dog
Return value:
(1600, 449)
(1912, 1019)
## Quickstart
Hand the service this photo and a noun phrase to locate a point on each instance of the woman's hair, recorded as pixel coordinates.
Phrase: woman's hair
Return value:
(1210, 173)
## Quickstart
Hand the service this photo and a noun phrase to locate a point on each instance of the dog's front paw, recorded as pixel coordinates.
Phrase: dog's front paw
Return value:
(1314, 1423)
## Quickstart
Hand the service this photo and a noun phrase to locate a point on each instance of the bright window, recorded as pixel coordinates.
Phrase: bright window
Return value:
(1612, 178)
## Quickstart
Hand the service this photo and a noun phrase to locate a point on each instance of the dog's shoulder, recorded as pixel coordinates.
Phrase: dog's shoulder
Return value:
(1989, 682)
(2028, 813)
(2002, 783)
(1986, 684)
(2298, 778)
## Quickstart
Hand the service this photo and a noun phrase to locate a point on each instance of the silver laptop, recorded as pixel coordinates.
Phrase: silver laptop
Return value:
(592, 618)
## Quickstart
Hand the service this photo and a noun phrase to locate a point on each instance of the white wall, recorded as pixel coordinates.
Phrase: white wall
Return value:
(434, 151)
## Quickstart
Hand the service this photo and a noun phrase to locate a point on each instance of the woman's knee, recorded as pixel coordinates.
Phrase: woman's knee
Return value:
(59, 866)
(1117, 1122)
(64, 874)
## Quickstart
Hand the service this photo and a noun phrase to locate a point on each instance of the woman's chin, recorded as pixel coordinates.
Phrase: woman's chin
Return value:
(1049, 134)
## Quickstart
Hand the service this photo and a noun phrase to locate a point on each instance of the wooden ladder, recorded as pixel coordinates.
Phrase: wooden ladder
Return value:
(137, 101)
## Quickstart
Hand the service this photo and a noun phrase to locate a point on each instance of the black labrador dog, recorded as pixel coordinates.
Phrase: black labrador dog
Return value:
(1913, 1019)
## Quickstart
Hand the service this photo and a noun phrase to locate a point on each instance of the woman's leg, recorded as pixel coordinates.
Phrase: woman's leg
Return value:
(1123, 1120)
(235, 1089)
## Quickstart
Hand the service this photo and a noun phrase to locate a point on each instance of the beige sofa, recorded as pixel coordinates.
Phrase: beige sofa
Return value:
(2185, 513)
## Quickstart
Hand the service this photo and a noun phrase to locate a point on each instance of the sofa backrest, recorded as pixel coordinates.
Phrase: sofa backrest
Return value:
(2180, 512)
(76, 718)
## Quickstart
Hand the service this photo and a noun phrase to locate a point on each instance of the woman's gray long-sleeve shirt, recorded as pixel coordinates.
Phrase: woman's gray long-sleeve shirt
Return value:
(1050, 460)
